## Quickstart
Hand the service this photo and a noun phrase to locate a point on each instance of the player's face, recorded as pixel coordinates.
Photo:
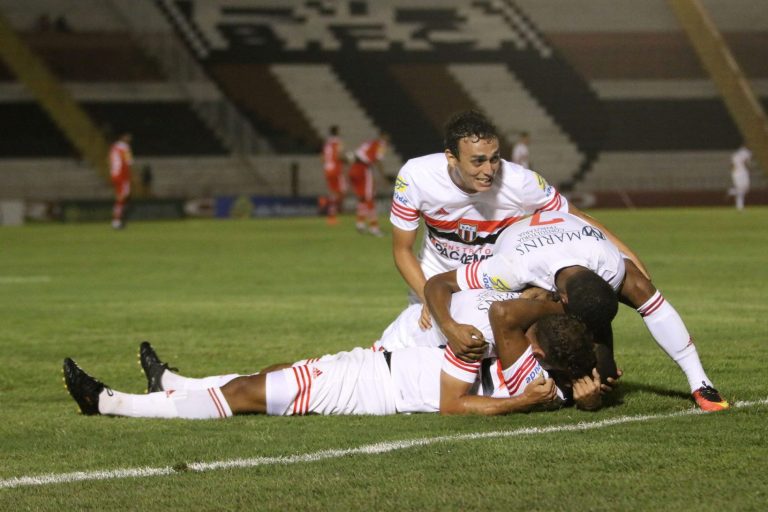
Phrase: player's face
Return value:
(477, 164)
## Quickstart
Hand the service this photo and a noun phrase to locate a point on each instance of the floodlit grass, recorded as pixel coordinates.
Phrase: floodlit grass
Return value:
(231, 296)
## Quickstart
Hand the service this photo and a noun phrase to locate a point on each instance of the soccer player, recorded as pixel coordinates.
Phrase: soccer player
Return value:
(740, 161)
(466, 196)
(368, 157)
(333, 168)
(521, 155)
(120, 162)
(562, 253)
(363, 381)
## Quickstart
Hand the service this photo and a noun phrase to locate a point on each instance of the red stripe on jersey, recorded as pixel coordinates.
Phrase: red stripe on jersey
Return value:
(553, 204)
(458, 363)
(404, 212)
(217, 403)
(485, 226)
(653, 306)
(513, 383)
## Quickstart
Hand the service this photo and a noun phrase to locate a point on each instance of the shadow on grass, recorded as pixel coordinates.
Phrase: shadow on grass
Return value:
(629, 388)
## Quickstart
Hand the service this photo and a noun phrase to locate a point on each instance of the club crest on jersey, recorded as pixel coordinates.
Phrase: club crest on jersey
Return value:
(400, 184)
(467, 232)
(541, 181)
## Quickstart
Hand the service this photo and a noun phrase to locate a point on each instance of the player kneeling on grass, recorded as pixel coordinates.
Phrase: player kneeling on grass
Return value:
(362, 381)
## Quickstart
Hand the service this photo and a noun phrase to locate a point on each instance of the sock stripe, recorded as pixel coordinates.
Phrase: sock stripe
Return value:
(651, 305)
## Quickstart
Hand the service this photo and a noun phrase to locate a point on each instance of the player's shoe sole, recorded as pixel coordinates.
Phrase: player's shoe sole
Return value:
(709, 399)
(82, 387)
(152, 366)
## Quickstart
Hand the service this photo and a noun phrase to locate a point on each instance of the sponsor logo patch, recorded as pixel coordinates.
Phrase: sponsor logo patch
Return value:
(400, 184)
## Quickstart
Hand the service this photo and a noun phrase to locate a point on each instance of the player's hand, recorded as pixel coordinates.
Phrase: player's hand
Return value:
(586, 392)
(540, 391)
(536, 293)
(467, 342)
(425, 320)
(611, 383)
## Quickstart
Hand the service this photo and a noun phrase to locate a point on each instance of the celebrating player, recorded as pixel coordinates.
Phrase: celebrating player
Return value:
(467, 196)
(364, 381)
(559, 252)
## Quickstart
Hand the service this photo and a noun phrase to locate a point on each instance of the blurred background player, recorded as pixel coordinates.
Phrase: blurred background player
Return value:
(367, 157)
(520, 153)
(120, 161)
(333, 167)
(740, 161)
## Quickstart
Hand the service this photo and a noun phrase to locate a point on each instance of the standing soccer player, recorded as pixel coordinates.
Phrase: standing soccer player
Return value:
(333, 167)
(521, 155)
(367, 157)
(740, 175)
(120, 162)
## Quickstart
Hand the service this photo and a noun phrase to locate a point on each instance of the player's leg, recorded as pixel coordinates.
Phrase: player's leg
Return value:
(94, 397)
(357, 182)
(669, 331)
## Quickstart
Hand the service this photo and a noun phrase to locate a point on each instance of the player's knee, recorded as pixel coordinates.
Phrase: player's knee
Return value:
(636, 288)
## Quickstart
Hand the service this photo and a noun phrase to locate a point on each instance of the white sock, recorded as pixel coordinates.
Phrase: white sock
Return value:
(190, 404)
(669, 331)
(171, 380)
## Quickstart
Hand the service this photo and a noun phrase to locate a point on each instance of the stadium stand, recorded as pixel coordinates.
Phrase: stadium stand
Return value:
(608, 88)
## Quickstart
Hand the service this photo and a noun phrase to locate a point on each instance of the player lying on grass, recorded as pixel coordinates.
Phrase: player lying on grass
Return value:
(559, 252)
(363, 381)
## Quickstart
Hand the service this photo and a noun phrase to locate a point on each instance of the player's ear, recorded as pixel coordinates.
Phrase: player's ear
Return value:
(452, 159)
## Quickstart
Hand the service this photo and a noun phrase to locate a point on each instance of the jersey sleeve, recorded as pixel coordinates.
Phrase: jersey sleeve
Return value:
(540, 196)
(455, 367)
(405, 210)
(493, 273)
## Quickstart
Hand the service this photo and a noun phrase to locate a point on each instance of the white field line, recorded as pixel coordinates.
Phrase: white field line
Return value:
(370, 449)
(24, 279)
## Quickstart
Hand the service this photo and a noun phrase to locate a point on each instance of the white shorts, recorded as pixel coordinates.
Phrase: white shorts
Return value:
(355, 382)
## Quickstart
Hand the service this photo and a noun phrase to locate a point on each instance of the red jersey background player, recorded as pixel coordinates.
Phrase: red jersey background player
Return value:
(120, 161)
(367, 157)
(333, 167)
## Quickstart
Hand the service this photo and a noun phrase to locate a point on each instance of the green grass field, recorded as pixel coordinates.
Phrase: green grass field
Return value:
(231, 296)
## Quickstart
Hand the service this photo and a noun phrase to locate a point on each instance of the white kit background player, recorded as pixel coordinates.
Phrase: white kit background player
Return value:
(543, 251)
(740, 161)
(362, 381)
(466, 196)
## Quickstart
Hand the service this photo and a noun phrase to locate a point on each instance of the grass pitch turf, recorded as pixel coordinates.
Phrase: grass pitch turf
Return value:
(232, 296)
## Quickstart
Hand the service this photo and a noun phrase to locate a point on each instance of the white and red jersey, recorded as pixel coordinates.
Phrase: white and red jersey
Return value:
(361, 382)
(531, 252)
(467, 307)
(120, 161)
(460, 227)
(333, 151)
(740, 169)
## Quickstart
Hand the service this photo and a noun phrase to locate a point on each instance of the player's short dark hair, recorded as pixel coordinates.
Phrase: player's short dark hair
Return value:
(567, 345)
(469, 123)
(591, 299)
(334, 130)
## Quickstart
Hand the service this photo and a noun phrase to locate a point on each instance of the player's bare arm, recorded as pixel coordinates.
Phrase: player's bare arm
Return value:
(624, 248)
(510, 319)
(409, 267)
(466, 341)
(454, 398)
